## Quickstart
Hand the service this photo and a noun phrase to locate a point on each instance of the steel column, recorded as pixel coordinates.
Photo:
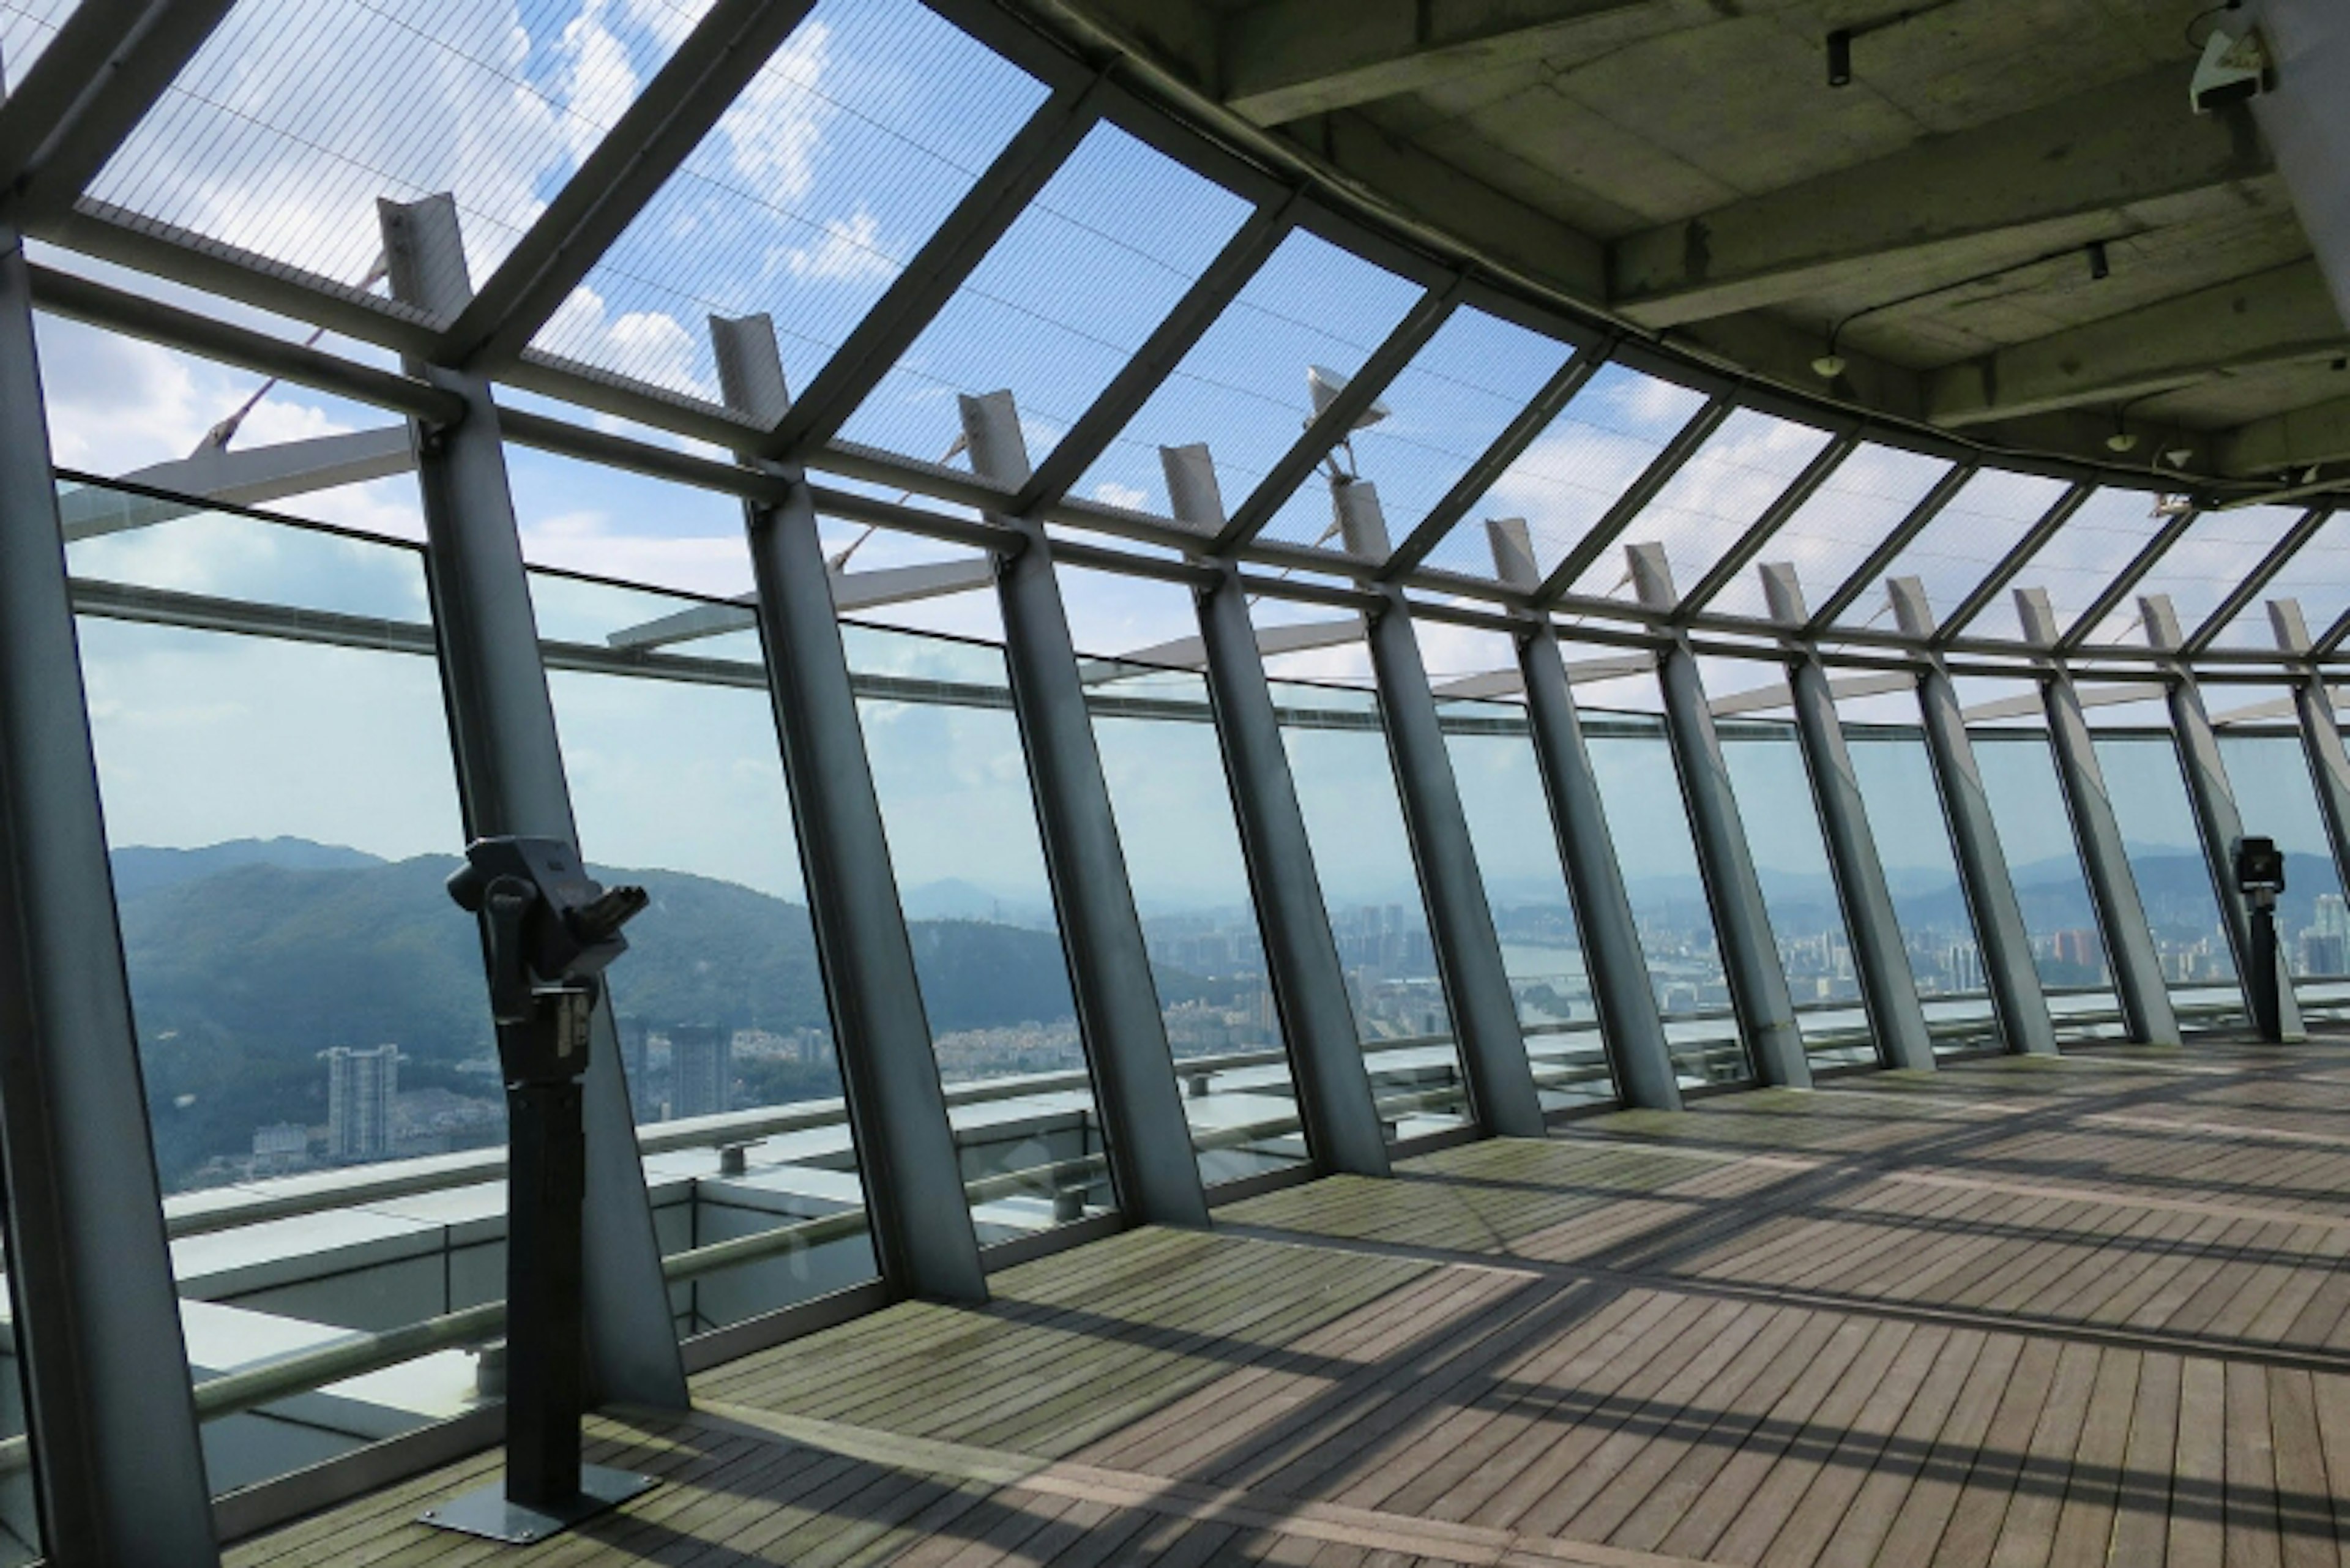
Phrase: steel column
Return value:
(920, 1220)
(1629, 1025)
(2321, 734)
(510, 779)
(1889, 988)
(2216, 815)
(119, 1468)
(2146, 1012)
(1152, 1160)
(1461, 920)
(2014, 979)
(1750, 953)
(1309, 982)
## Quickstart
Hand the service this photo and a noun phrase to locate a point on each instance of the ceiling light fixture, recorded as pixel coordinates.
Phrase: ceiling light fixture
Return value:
(2100, 269)
(1840, 57)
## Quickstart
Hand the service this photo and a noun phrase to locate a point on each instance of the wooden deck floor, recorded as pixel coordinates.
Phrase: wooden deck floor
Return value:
(2011, 1313)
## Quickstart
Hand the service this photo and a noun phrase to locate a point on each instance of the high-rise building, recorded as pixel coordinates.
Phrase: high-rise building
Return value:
(700, 1069)
(361, 1086)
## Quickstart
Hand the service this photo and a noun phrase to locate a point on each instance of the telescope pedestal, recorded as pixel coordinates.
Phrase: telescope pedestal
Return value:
(545, 1488)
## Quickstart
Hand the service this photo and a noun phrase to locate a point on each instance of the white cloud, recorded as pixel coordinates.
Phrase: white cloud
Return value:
(650, 344)
(773, 130)
(849, 251)
(1118, 494)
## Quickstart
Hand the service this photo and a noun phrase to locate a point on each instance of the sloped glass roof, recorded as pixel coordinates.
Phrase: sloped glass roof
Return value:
(2105, 533)
(2201, 565)
(2317, 577)
(1564, 483)
(1983, 523)
(1831, 534)
(854, 142)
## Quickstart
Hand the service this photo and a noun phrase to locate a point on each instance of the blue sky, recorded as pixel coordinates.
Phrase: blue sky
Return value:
(864, 131)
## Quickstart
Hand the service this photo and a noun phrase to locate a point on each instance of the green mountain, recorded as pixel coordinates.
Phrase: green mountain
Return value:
(246, 960)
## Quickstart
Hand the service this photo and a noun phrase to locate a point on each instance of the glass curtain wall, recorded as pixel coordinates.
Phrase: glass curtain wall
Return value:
(961, 824)
(1354, 820)
(1922, 869)
(282, 810)
(725, 1036)
(1166, 773)
(1526, 887)
(1632, 761)
(2174, 880)
(1773, 788)
(2035, 832)
(2270, 773)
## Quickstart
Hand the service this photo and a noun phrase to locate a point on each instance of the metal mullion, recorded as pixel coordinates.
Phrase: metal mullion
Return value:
(2325, 646)
(137, 316)
(2014, 561)
(1629, 505)
(112, 69)
(2245, 592)
(992, 205)
(2129, 578)
(1773, 518)
(1182, 328)
(1482, 474)
(1889, 548)
(1325, 431)
(653, 136)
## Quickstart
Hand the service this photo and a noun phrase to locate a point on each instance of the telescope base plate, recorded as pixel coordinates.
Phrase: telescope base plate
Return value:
(487, 1513)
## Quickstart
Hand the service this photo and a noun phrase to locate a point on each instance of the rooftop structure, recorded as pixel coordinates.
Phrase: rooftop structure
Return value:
(1354, 732)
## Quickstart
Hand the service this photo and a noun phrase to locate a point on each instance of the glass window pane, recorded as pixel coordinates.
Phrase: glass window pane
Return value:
(322, 1080)
(1061, 303)
(1354, 820)
(849, 148)
(26, 29)
(2216, 552)
(1243, 388)
(1982, 524)
(1166, 773)
(298, 115)
(1502, 789)
(1563, 483)
(2278, 799)
(1913, 843)
(962, 823)
(1632, 762)
(725, 1036)
(2166, 857)
(1712, 499)
(1831, 534)
(2078, 562)
(1449, 404)
(2044, 858)
(1773, 787)
(2317, 578)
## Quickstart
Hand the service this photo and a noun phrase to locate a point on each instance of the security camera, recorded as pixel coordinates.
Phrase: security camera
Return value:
(2236, 67)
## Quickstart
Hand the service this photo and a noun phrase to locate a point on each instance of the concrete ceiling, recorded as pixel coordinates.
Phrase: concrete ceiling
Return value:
(1683, 166)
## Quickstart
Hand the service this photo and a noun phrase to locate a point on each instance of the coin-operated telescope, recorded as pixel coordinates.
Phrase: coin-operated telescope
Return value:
(548, 932)
(2260, 877)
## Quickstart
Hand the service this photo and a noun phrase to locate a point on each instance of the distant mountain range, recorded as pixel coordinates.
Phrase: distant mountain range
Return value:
(249, 958)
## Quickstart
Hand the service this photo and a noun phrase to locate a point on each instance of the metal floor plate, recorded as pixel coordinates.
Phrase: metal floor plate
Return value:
(486, 1511)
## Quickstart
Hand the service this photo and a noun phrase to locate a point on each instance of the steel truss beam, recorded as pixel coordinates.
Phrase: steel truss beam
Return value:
(920, 1223)
(2240, 598)
(510, 779)
(1634, 501)
(120, 1467)
(89, 89)
(1486, 472)
(1889, 548)
(2035, 539)
(1983, 872)
(1124, 1034)
(1326, 428)
(949, 257)
(1752, 543)
(651, 140)
(1182, 328)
